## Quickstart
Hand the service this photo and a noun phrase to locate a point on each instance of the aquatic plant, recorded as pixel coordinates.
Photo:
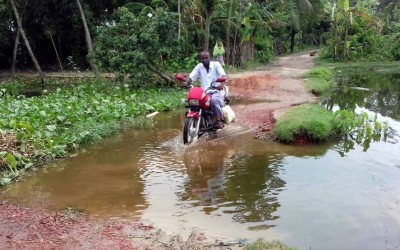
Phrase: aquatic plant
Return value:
(359, 129)
(53, 125)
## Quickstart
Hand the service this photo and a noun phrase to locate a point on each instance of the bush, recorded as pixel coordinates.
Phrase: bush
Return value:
(264, 48)
(136, 45)
(364, 43)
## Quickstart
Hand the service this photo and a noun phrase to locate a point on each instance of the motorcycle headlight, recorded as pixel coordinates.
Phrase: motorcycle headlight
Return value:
(193, 102)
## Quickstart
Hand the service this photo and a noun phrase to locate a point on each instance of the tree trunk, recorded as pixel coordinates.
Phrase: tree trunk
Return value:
(228, 35)
(58, 58)
(16, 43)
(335, 39)
(87, 37)
(14, 58)
(179, 19)
(345, 48)
(28, 46)
(161, 74)
(207, 31)
(235, 51)
(292, 36)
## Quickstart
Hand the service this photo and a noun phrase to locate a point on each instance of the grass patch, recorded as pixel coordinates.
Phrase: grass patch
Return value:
(386, 67)
(309, 120)
(261, 244)
(319, 80)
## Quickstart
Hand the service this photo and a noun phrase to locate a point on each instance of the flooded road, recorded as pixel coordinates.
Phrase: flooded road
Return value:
(233, 186)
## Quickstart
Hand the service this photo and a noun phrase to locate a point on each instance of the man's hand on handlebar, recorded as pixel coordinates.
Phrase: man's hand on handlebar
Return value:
(185, 84)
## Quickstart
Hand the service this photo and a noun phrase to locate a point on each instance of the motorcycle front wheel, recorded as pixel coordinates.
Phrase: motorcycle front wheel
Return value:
(190, 132)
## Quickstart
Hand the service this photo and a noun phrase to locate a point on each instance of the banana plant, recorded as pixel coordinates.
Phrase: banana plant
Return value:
(343, 15)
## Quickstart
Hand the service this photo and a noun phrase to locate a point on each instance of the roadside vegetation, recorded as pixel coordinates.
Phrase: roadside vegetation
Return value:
(314, 122)
(319, 80)
(261, 244)
(59, 120)
(309, 122)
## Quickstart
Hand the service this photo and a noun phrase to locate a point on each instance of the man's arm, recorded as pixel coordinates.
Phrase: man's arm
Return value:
(192, 77)
(220, 70)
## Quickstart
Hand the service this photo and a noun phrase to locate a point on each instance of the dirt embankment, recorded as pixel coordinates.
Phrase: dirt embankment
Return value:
(259, 97)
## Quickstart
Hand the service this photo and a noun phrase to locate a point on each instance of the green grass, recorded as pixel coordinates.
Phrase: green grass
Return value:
(319, 80)
(388, 67)
(264, 245)
(309, 120)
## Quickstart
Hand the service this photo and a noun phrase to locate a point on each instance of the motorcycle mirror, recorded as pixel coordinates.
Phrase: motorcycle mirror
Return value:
(180, 77)
(221, 79)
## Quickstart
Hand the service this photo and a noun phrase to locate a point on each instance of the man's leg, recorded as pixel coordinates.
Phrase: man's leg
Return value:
(217, 102)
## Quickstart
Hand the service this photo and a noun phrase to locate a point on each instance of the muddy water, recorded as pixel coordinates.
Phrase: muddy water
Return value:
(235, 187)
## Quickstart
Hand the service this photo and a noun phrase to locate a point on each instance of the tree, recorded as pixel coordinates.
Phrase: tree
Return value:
(298, 8)
(16, 43)
(35, 62)
(232, 6)
(208, 7)
(87, 36)
(137, 45)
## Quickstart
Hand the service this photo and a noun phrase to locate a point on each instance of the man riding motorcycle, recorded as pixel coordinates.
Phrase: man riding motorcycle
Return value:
(208, 72)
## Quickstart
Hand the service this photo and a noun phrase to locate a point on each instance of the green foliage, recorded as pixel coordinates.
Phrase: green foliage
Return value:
(182, 64)
(364, 43)
(318, 86)
(309, 120)
(321, 73)
(319, 80)
(136, 45)
(264, 48)
(261, 244)
(316, 124)
(359, 128)
(57, 123)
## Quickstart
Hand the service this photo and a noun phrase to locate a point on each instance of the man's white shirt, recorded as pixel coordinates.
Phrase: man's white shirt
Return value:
(200, 72)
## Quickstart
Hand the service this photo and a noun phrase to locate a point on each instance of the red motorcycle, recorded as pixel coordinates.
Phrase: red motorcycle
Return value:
(199, 117)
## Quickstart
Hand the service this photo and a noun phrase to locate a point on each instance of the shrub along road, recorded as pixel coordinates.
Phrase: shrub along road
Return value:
(261, 96)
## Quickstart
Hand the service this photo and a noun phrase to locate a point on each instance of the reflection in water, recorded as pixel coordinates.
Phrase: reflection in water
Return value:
(374, 94)
(253, 189)
(225, 179)
(383, 96)
(102, 181)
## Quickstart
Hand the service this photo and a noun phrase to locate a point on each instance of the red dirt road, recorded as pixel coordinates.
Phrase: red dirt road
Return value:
(270, 92)
(264, 95)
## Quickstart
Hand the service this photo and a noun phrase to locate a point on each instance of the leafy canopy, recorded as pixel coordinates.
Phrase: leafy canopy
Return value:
(137, 45)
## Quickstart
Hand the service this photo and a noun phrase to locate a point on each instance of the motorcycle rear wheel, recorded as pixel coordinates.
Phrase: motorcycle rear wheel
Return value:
(190, 132)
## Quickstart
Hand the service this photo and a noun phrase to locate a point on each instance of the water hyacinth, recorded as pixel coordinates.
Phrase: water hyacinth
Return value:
(53, 124)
